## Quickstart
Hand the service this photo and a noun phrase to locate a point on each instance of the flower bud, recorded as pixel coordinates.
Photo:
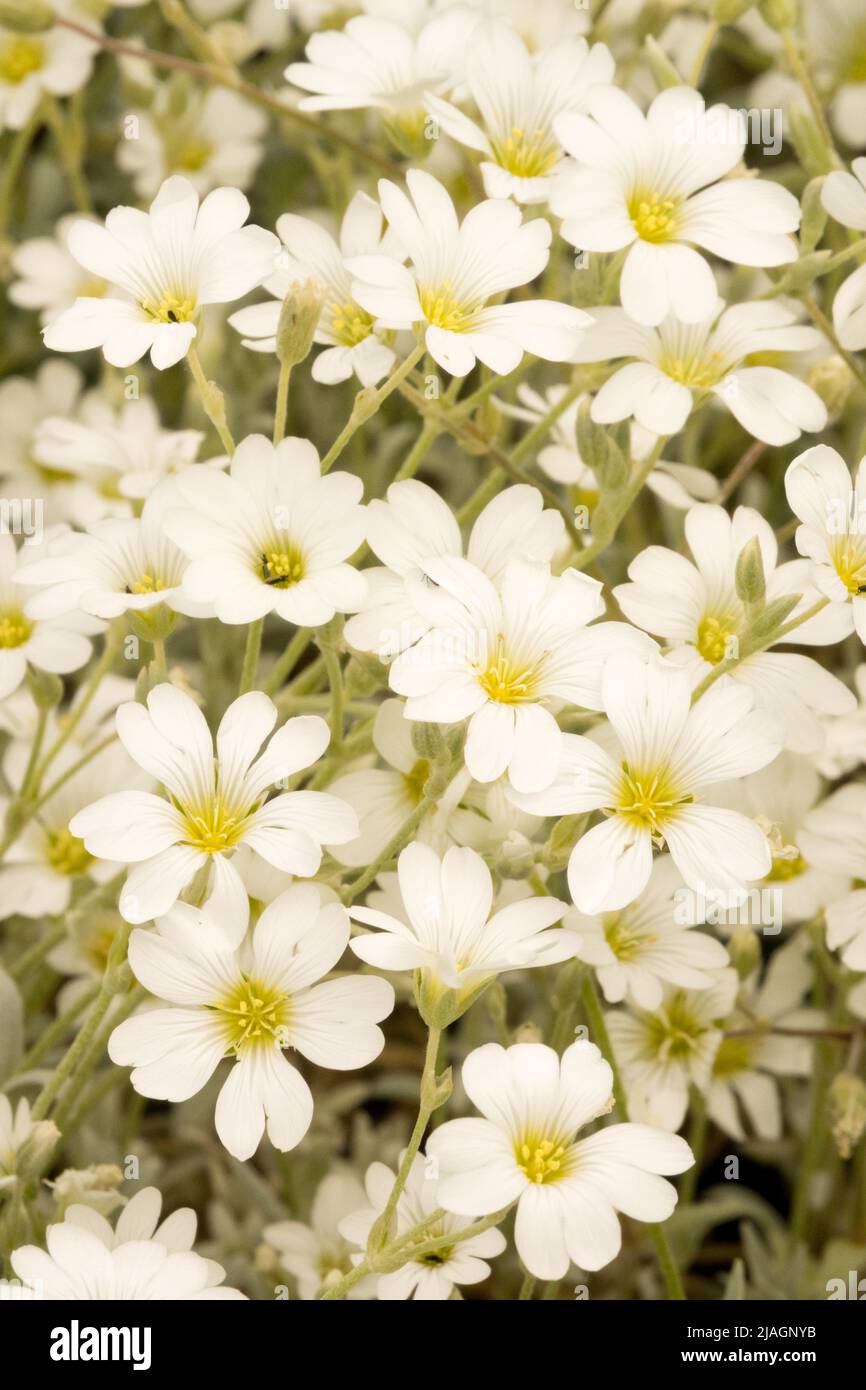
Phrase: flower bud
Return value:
(26, 16)
(299, 319)
(33, 1156)
(749, 574)
(744, 950)
(846, 1107)
(832, 379)
(813, 218)
(45, 687)
(779, 14)
(528, 1032)
(729, 11)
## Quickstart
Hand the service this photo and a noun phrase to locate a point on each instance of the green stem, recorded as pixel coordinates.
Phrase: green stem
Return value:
(698, 1128)
(367, 402)
(527, 1288)
(252, 648)
(391, 850)
(113, 639)
(804, 77)
(21, 142)
(606, 535)
(335, 683)
(282, 401)
(97, 1049)
(55, 1031)
(600, 1035)
(212, 401)
(428, 1102)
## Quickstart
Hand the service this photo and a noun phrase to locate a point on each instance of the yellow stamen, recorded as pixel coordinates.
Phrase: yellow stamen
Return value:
(527, 154)
(19, 57)
(67, 855)
(505, 680)
(653, 216)
(254, 1015)
(15, 629)
(649, 800)
(171, 308)
(542, 1159)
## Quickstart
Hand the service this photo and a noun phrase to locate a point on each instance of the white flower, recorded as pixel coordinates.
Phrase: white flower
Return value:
(215, 139)
(317, 1254)
(425, 1279)
(18, 1133)
(568, 1191)
(678, 484)
(346, 330)
(781, 797)
(845, 742)
(452, 934)
(50, 278)
(414, 524)
(677, 365)
(271, 535)
(518, 96)
(129, 447)
(656, 184)
(834, 41)
(249, 1003)
(211, 807)
(139, 1260)
(844, 197)
(455, 268)
(745, 1066)
(168, 264)
(55, 61)
(832, 509)
(46, 861)
(636, 950)
(377, 63)
(123, 565)
(497, 655)
(60, 645)
(651, 785)
(694, 607)
(663, 1051)
(834, 839)
(541, 24)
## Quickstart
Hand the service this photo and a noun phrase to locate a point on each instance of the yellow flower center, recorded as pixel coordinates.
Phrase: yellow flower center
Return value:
(734, 1055)
(19, 57)
(147, 584)
(415, 779)
(193, 155)
(673, 1031)
(785, 867)
(282, 567)
(172, 308)
(215, 829)
(67, 855)
(622, 935)
(350, 324)
(15, 629)
(849, 560)
(527, 153)
(652, 215)
(649, 800)
(254, 1015)
(443, 309)
(715, 636)
(697, 372)
(542, 1159)
(505, 680)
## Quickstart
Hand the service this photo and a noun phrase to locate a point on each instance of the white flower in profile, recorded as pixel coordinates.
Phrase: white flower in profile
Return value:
(455, 269)
(139, 1259)
(452, 935)
(518, 96)
(664, 1051)
(49, 277)
(214, 139)
(694, 606)
(834, 839)
(347, 332)
(121, 565)
(315, 1253)
(57, 644)
(832, 509)
(679, 485)
(212, 805)
(498, 655)
(651, 784)
(271, 535)
(656, 184)
(541, 24)
(55, 389)
(676, 366)
(168, 264)
(638, 949)
(413, 524)
(250, 1002)
(752, 1054)
(379, 64)
(785, 797)
(845, 736)
(55, 62)
(429, 1278)
(568, 1190)
(844, 197)
(127, 447)
(19, 1136)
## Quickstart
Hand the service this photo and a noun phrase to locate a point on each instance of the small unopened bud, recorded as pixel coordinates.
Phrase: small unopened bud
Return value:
(94, 1187)
(779, 14)
(832, 379)
(749, 575)
(363, 675)
(26, 16)
(299, 318)
(528, 1033)
(809, 144)
(45, 687)
(744, 950)
(729, 11)
(813, 218)
(32, 1158)
(232, 40)
(600, 451)
(846, 1107)
(663, 71)
(427, 740)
